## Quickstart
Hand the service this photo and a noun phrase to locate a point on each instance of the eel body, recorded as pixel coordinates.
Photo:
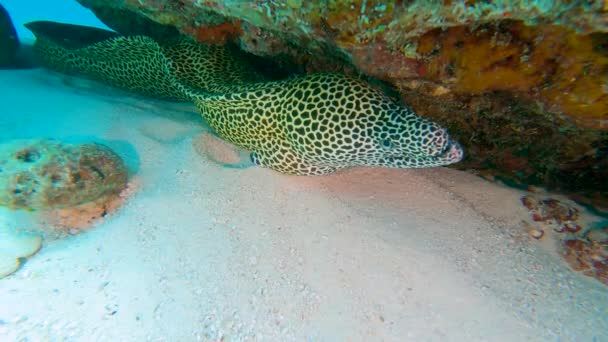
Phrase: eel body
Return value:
(307, 125)
(317, 124)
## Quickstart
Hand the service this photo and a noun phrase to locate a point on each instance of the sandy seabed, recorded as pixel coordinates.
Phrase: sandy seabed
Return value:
(202, 252)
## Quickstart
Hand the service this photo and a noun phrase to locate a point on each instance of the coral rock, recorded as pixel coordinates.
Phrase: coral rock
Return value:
(552, 211)
(553, 64)
(46, 174)
(589, 257)
(60, 222)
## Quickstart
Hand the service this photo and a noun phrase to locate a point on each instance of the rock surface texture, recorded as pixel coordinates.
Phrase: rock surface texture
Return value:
(522, 84)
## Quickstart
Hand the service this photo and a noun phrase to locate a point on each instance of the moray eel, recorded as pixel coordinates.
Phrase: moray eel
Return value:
(320, 123)
(139, 63)
(308, 125)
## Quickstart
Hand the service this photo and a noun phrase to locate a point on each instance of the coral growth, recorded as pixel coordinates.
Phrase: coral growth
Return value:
(47, 174)
(589, 254)
(585, 250)
(218, 34)
(552, 210)
(565, 70)
(356, 21)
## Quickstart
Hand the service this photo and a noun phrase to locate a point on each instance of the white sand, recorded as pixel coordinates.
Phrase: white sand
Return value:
(202, 252)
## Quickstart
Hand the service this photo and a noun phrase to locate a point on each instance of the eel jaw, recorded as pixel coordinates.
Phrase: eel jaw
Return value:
(453, 152)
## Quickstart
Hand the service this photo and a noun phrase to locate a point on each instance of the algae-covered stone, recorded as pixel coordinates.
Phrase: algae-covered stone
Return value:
(47, 174)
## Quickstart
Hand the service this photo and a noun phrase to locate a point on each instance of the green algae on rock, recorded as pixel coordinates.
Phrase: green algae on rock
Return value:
(357, 21)
(48, 174)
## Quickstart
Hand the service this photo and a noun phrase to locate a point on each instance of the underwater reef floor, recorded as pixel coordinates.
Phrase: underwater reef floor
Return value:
(204, 252)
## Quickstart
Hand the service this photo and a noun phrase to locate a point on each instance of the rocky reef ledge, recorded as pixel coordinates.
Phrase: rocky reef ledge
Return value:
(522, 84)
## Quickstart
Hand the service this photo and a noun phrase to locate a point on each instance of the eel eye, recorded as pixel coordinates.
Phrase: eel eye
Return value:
(387, 144)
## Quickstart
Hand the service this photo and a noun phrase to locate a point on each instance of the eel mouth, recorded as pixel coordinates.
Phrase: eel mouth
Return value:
(453, 152)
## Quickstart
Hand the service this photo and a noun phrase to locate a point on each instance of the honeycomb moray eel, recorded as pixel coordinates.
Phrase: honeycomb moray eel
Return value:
(139, 63)
(320, 123)
(307, 125)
